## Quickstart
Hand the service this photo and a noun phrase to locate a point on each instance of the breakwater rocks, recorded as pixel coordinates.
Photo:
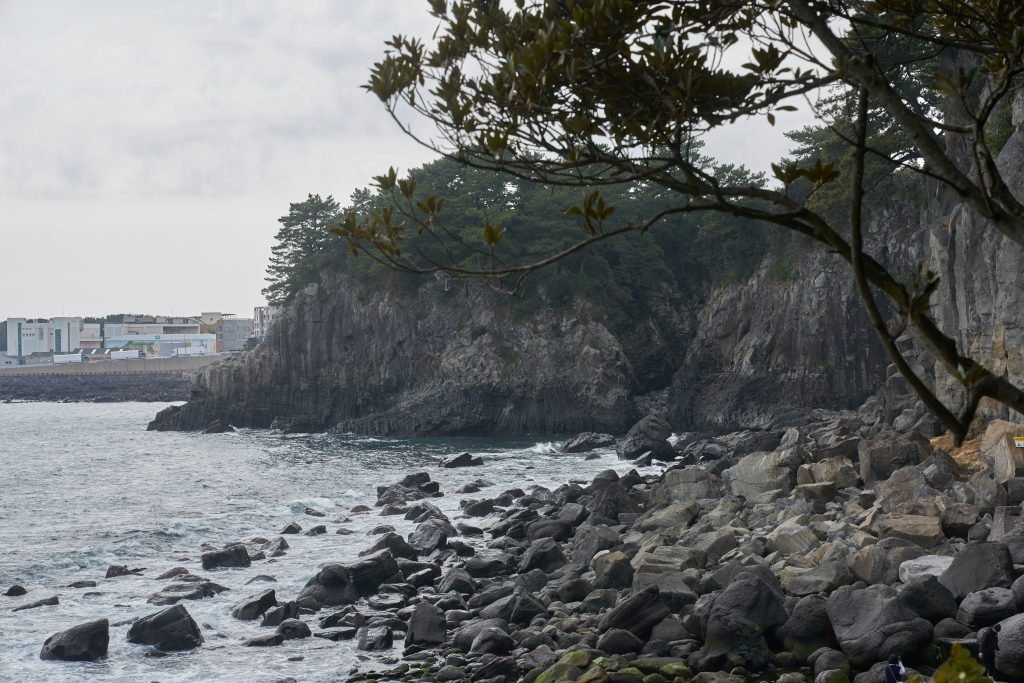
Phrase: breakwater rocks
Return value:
(156, 387)
(811, 553)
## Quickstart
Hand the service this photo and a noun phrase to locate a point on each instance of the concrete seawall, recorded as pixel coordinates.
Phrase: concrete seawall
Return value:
(163, 380)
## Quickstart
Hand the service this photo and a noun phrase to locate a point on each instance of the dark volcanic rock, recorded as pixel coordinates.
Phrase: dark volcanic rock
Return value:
(649, 434)
(292, 629)
(83, 643)
(254, 606)
(15, 591)
(170, 630)
(42, 602)
(979, 566)
(380, 638)
(331, 586)
(426, 626)
(871, 624)
(231, 556)
(638, 614)
(587, 441)
(462, 460)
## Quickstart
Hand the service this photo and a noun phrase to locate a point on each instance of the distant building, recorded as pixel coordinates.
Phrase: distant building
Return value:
(7, 361)
(262, 317)
(26, 336)
(231, 331)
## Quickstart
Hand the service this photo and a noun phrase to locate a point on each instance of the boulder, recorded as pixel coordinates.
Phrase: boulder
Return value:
(254, 606)
(464, 636)
(928, 599)
(587, 441)
(330, 586)
(922, 530)
(924, 566)
(673, 515)
(908, 491)
(231, 556)
(638, 613)
(170, 630)
(612, 570)
(740, 619)
(978, 566)
(492, 640)
(880, 562)
(761, 472)
(83, 643)
(792, 537)
(871, 623)
(617, 641)
(426, 626)
(458, 580)
(885, 453)
(986, 607)
(461, 460)
(429, 536)
(682, 485)
(293, 629)
(374, 639)
(1000, 451)
(807, 628)
(1010, 658)
(824, 578)
(371, 571)
(649, 434)
(590, 540)
(544, 554)
(557, 529)
(276, 615)
(393, 543)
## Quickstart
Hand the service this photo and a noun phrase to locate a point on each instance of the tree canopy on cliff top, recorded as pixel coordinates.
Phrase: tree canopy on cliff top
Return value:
(598, 93)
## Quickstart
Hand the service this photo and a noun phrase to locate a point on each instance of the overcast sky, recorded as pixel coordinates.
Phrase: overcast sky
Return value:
(148, 148)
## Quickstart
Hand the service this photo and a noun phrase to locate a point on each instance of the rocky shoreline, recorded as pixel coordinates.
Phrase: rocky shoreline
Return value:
(157, 387)
(809, 553)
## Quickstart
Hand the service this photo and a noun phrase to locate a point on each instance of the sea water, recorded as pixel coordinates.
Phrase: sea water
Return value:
(85, 486)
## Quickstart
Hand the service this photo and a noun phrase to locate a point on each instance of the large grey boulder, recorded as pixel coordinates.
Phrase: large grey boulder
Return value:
(986, 607)
(232, 556)
(978, 566)
(649, 434)
(683, 485)
(738, 620)
(426, 626)
(587, 441)
(254, 606)
(871, 623)
(807, 628)
(880, 563)
(907, 491)
(83, 643)
(1010, 658)
(923, 566)
(887, 452)
(466, 633)
(824, 578)
(589, 541)
(170, 630)
(1000, 452)
(928, 599)
(638, 614)
(759, 473)
(330, 586)
(544, 554)
(371, 571)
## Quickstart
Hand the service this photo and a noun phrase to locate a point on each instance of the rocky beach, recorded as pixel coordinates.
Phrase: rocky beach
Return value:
(809, 551)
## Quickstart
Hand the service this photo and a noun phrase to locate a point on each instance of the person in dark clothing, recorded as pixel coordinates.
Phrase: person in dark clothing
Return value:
(892, 670)
(988, 643)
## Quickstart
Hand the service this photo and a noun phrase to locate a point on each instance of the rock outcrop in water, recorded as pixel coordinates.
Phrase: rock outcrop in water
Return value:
(447, 359)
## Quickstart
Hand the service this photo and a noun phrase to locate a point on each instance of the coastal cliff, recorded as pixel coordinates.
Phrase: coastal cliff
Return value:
(448, 358)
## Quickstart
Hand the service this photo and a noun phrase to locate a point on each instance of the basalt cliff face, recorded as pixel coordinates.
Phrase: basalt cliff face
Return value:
(450, 359)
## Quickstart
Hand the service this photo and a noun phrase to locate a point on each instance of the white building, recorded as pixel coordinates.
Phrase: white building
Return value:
(163, 345)
(262, 317)
(26, 336)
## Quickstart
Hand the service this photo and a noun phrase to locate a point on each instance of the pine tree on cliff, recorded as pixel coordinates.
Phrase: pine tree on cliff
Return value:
(302, 243)
(598, 93)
